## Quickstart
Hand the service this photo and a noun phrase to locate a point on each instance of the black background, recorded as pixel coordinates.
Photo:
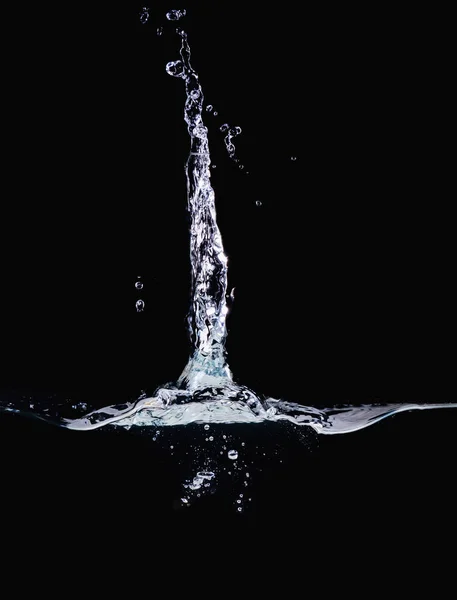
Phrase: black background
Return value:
(341, 275)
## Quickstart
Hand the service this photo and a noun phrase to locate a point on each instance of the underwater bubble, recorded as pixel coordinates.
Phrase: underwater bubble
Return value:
(232, 454)
(175, 15)
(139, 285)
(213, 166)
(194, 94)
(224, 127)
(206, 427)
(215, 113)
(144, 15)
(258, 203)
(139, 305)
(239, 509)
(159, 30)
(184, 500)
(211, 438)
(175, 68)
(294, 158)
(209, 108)
(241, 167)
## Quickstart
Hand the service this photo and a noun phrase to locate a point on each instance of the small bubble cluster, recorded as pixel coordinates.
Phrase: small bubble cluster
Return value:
(175, 15)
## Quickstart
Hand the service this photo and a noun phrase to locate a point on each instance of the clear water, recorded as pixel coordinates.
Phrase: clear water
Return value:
(206, 392)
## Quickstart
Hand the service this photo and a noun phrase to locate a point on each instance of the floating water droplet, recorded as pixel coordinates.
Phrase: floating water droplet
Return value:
(139, 305)
(139, 285)
(206, 427)
(224, 127)
(258, 203)
(144, 15)
(175, 68)
(232, 454)
(159, 30)
(205, 474)
(175, 15)
(209, 108)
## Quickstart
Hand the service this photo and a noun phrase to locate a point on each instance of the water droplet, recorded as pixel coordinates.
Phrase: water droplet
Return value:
(175, 68)
(294, 158)
(258, 203)
(224, 127)
(206, 427)
(232, 454)
(159, 30)
(139, 306)
(211, 439)
(144, 15)
(175, 15)
(224, 436)
(209, 108)
(139, 285)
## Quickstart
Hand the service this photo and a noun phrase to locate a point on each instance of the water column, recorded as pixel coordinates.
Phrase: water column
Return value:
(207, 365)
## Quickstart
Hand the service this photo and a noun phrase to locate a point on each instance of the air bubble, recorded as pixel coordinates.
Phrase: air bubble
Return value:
(232, 454)
(139, 285)
(159, 30)
(238, 501)
(215, 113)
(209, 108)
(241, 167)
(213, 166)
(144, 15)
(195, 94)
(211, 438)
(175, 15)
(139, 306)
(293, 158)
(224, 127)
(239, 509)
(258, 203)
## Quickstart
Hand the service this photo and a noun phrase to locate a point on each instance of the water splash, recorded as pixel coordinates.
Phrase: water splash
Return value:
(205, 392)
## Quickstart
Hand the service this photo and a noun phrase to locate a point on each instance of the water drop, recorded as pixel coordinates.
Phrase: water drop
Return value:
(232, 454)
(144, 15)
(224, 127)
(258, 203)
(209, 108)
(139, 285)
(175, 15)
(175, 68)
(139, 306)
(206, 427)
(159, 30)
